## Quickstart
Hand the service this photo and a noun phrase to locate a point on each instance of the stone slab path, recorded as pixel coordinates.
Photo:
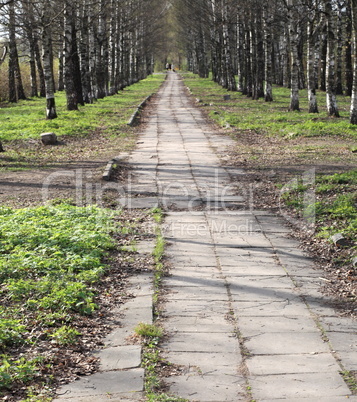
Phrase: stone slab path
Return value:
(243, 308)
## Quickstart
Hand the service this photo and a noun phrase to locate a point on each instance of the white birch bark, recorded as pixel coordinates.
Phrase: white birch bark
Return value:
(294, 62)
(311, 84)
(268, 49)
(353, 110)
(331, 101)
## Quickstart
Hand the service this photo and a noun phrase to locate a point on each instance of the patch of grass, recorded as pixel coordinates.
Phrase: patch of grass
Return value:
(151, 361)
(271, 118)
(335, 206)
(350, 378)
(148, 330)
(50, 258)
(17, 372)
(27, 119)
(99, 126)
(157, 214)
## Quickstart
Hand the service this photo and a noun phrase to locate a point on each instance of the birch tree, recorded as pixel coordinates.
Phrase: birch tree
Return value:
(46, 22)
(312, 30)
(353, 111)
(331, 101)
(293, 16)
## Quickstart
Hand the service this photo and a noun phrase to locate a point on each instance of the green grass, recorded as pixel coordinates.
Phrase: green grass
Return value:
(148, 330)
(336, 203)
(271, 118)
(26, 119)
(50, 258)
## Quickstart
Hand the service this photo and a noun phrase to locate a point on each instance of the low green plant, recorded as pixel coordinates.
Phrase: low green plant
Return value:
(335, 208)
(148, 330)
(157, 214)
(20, 371)
(351, 379)
(65, 335)
(11, 332)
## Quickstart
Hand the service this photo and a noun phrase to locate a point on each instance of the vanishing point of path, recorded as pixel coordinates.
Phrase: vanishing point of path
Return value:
(243, 310)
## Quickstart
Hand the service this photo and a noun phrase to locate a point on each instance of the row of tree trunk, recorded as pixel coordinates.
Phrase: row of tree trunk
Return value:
(295, 43)
(102, 46)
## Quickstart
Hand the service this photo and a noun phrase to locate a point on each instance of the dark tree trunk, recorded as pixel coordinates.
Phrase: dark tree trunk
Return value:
(16, 89)
(47, 67)
(71, 93)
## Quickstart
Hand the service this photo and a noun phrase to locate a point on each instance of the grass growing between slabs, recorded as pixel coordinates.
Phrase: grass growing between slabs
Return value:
(151, 335)
(52, 259)
(82, 133)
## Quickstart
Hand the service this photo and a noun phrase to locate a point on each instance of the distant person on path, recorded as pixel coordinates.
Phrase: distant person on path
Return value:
(167, 66)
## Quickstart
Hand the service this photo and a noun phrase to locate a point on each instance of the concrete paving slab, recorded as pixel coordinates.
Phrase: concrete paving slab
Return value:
(200, 308)
(260, 294)
(345, 345)
(139, 302)
(315, 386)
(119, 336)
(286, 343)
(339, 324)
(190, 260)
(208, 363)
(207, 324)
(191, 248)
(213, 285)
(196, 293)
(262, 282)
(139, 314)
(291, 363)
(321, 306)
(252, 326)
(110, 382)
(209, 388)
(202, 342)
(207, 273)
(231, 256)
(281, 307)
(252, 269)
(239, 241)
(126, 397)
(119, 358)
